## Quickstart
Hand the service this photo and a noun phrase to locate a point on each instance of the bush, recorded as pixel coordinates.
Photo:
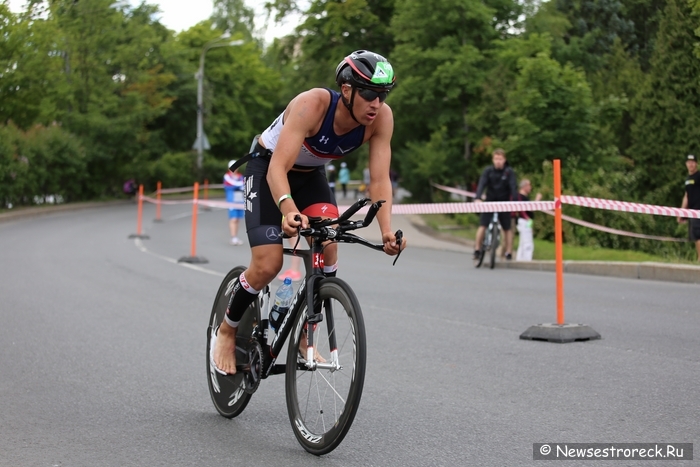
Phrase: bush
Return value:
(615, 182)
(42, 162)
(57, 163)
(172, 170)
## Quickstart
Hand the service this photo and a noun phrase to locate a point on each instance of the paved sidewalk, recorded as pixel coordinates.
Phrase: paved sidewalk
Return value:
(34, 211)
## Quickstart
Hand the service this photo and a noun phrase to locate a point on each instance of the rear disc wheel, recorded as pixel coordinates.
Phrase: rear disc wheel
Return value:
(231, 393)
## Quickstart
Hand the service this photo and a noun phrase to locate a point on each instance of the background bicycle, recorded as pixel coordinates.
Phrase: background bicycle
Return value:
(492, 239)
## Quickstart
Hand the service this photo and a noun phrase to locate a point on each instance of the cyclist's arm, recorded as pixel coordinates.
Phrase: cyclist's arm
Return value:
(482, 184)
(379, 169)
(301, 117)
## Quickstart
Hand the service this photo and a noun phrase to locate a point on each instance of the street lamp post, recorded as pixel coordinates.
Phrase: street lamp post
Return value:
(199, 143)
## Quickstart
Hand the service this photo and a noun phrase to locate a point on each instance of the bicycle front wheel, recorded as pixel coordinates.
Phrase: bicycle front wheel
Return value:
(228, 391)
(494, 246)
(322, 401)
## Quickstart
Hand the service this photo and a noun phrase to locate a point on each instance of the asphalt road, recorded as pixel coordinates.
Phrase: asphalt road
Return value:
(102, 355)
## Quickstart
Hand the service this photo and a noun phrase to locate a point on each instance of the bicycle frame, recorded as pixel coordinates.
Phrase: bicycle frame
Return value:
(491, 231)
(313, 262)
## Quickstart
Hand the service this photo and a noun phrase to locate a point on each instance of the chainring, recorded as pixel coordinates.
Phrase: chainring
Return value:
(253, 374)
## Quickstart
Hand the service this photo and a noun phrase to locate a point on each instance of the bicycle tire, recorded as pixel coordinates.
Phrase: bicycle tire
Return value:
(480, 259)
(322, 403)
(484, 248)
(494, 246)
(228, 392)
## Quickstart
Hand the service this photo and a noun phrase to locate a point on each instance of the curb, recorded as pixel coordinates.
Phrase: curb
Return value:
(648, 271)
(35, 211)
(682, 273)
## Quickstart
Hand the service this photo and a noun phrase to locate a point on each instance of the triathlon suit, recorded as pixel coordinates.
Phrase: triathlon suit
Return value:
(307, 179)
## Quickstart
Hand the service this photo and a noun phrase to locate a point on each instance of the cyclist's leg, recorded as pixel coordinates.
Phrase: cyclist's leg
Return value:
(484, 219)
(314, 198)
(264, 237)
(266, 262)
(504, 218)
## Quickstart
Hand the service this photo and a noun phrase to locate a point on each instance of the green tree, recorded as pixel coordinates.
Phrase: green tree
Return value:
(595, 25)
(31, 88)
(331, 29)
(234, 17)
(667, 111)
(240, 92)
(550, 115)
(440, 64)
(501, 74)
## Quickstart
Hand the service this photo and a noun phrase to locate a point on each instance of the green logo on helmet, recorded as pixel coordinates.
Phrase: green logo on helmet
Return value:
(383, 74)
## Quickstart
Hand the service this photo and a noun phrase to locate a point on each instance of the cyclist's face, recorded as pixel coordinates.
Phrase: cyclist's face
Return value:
(499, 161)
(365, 110)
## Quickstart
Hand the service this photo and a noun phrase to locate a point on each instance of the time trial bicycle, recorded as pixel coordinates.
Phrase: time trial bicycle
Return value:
(326, 353)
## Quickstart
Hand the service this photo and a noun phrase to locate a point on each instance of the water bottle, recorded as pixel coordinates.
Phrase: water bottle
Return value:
(280, 307)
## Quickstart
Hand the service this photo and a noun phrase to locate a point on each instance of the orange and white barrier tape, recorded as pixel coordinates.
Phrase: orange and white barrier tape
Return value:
(493, 206)
(612, 205)
(605, 204)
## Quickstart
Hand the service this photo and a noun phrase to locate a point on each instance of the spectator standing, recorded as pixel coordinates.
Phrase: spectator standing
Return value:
(234, 184)
(691, 200)
(499, 182)
(526, 246)
(344, 178)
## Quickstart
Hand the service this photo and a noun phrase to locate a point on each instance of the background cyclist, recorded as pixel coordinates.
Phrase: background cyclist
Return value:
(318, 125)
(499, 182)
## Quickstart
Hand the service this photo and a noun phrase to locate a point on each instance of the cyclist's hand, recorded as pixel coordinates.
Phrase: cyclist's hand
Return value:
(681, 220)
(478, 200)
(293, 221)
(391, 247)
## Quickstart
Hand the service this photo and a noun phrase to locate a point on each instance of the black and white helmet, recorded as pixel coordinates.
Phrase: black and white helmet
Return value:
(365, 69)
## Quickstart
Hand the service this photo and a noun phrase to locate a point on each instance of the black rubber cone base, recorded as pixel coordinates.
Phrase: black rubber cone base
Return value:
(142, 237)
(560, 333)
(193, 260)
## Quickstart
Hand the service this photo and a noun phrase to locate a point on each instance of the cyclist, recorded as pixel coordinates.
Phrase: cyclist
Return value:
(499, 182)
(289, 178)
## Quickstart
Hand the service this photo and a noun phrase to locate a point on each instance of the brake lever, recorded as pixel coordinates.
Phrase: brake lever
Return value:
(399, 240)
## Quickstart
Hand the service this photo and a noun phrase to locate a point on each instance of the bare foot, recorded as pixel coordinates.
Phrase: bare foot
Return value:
(224, 351)
(303, 347)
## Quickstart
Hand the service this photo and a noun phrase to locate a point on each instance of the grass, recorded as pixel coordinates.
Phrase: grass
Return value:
(544, 250)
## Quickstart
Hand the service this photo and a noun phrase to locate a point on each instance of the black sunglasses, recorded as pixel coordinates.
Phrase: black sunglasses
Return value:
(369, 95)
